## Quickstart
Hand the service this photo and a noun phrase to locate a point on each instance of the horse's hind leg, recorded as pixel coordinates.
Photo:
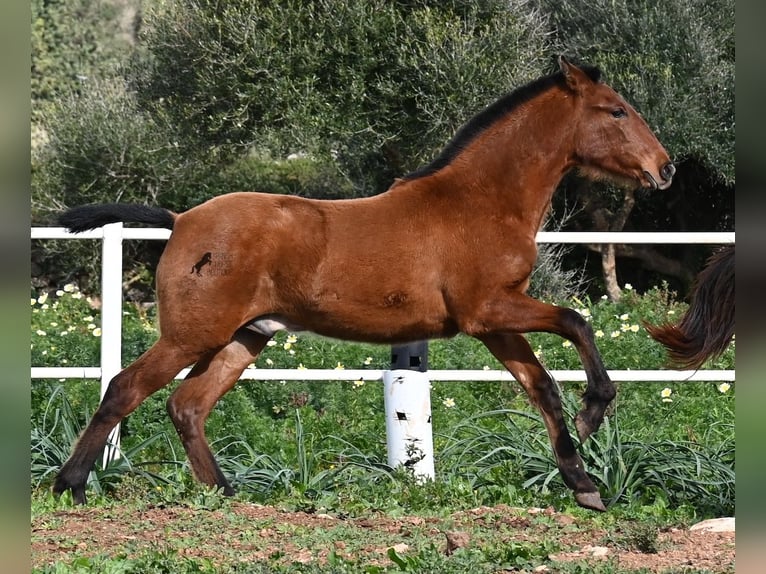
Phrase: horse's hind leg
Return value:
(517, 356)
(191, 403)
(150, 372)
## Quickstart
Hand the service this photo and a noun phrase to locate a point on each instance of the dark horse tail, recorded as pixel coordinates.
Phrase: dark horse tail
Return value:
(707, 327)
(85, 217)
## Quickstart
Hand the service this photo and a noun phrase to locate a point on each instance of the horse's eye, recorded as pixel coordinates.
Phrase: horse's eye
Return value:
(619, 113)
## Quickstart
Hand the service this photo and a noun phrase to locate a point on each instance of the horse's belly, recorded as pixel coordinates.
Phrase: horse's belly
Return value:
(365, 323)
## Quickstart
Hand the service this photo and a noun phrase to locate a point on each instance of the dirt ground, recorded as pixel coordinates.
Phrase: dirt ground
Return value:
(256, 532)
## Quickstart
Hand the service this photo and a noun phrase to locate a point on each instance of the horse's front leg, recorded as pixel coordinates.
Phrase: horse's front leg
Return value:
(520, 313)
(517, 356)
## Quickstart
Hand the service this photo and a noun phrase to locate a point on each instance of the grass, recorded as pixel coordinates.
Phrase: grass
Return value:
(320, 447)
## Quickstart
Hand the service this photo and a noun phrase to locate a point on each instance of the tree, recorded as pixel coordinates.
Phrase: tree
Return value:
(376, 88)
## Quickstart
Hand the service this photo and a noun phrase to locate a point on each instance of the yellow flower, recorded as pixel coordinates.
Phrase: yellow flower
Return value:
(292, 339)
(287, 346)
(300, 367)
(449, 402)
(724, 387)
(615, 334)
(96, 332)
(358, 383)
(339, 366)
(566, 344)
(33, 300)
(368, 361)
(599, 333)
(624, 317)
(665, 394)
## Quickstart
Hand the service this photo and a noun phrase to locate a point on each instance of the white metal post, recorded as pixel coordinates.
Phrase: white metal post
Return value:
(407, 401)
(111, 321)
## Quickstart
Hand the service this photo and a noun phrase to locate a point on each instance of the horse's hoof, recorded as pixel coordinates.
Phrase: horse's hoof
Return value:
(591, 500)
(584, 429)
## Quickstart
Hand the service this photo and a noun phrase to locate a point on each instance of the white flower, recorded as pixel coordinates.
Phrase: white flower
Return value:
(69, 288)
(724, 387)
(449, 402)
(358, 383)
(634, 328)
(628, 287)
(599, 333)
(42, 298)
(665, 394)
(566, 344)
(271, 343)
(269, 362)
(624, 317)
(96, 332)
(368, 361)
(40, 333)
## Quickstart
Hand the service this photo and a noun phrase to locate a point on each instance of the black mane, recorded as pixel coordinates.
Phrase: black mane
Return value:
(489, 115)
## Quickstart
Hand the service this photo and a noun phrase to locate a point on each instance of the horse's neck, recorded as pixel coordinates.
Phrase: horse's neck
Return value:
(517, 164)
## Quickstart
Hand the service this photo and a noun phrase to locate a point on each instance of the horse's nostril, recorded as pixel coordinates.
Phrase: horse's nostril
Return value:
(668, 171)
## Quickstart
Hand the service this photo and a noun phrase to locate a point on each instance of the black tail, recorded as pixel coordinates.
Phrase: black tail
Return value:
(85, 217)
(707, 327)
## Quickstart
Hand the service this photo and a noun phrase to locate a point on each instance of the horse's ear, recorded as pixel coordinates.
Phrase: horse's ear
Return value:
(576, 79)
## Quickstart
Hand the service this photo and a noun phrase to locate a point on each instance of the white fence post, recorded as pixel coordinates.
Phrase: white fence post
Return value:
(111, 322)
(407, 402)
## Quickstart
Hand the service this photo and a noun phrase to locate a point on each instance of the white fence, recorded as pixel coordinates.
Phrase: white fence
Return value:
(113, 234)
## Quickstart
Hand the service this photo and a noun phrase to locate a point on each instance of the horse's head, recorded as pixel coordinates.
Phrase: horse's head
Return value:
(612, 140)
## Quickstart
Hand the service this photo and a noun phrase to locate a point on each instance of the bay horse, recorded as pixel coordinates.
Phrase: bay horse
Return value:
(446, 249)
(707, 327)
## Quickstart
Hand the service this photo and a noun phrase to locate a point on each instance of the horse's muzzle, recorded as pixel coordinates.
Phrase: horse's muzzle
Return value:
(667, 172)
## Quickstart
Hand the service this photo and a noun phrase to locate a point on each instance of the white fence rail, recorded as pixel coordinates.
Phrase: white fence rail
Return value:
(113, 234)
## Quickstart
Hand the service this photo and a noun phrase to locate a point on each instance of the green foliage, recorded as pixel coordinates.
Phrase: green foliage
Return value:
(377, 86)
(320, 444)
(74, 41)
